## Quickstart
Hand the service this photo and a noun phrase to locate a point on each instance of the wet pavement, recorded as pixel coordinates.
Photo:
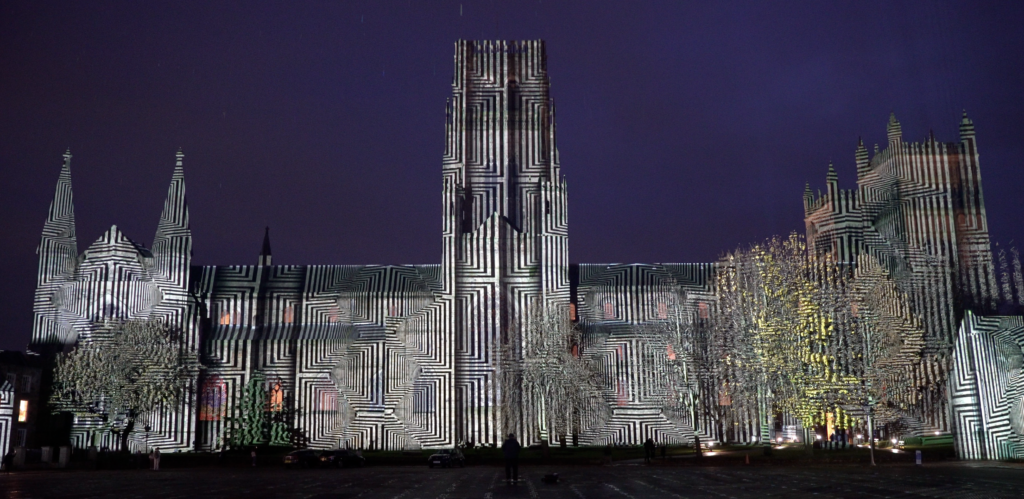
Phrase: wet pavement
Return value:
(954, 480)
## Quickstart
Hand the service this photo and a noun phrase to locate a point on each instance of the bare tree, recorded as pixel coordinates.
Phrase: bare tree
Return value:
(551, 386)
(131, 369)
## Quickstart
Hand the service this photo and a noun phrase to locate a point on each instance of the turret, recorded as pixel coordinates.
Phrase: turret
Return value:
(808, 198)
(893, 130)
(966, 128)
(861, 157)
(831, 181)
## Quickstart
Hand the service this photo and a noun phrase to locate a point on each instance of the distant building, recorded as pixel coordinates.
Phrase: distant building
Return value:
(919, 210)
(20, 404)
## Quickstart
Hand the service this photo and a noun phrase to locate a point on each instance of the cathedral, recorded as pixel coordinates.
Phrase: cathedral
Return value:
(408, 356)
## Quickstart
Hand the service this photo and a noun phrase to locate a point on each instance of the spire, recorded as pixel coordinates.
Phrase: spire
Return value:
(172, 244)
(58, 256)
(58, 248)
(893, 129)
(265, 256)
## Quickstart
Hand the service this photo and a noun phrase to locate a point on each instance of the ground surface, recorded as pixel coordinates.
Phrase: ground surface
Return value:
(625, 480)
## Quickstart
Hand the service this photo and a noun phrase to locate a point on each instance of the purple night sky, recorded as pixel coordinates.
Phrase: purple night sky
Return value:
(684, 130)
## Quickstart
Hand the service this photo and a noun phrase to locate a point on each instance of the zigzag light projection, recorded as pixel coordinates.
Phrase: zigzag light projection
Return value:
(410, 356)
(6, 414)
(919, 210)
(987, 384)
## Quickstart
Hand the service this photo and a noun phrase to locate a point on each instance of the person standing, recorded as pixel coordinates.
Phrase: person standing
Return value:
(253, 454)
(155, 456)
(648, 450)
(510, 448)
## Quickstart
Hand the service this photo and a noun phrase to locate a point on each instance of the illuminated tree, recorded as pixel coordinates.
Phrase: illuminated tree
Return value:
(129, 369)
(798, 333)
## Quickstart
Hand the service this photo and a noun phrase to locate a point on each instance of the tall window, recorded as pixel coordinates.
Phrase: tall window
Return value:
(275, 397)
(214, 398)
(662, 310)
(22, 411)
(609, 310)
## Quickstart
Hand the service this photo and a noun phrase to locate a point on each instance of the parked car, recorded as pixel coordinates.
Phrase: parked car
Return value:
(341, 459)
(447, 458)
(306, 458)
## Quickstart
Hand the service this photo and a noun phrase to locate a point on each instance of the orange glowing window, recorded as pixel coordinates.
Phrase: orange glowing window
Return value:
(275, 401)
(22, 411)
(225, 319)
(662, 310)
(572, 311)
(702, 309)
(671, 353)
(609, 310)
(289, 314)
(393, 310)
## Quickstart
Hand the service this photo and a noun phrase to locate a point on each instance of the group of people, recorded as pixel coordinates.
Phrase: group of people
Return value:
(837, 440)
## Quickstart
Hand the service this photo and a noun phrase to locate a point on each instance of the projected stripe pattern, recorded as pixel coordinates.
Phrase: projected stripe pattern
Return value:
(507, 202)
(918, 209)
(987, 386)
(6, 415)
(407, 356)
(615, 303)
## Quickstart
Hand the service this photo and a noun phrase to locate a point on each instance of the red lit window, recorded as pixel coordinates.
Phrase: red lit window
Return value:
(662, 310)
(289, 314)
(572, 311)
(214, 397)
(609, 310)
(702, 309)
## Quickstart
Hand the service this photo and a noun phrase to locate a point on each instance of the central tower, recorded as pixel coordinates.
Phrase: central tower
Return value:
(505, 225)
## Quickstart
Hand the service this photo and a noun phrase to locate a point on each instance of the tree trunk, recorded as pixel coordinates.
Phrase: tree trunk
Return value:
(124, 434)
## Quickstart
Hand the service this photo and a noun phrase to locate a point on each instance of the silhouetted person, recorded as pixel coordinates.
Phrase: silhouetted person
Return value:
(648, 451)
(9, 461)
(510, 448)
(155, 456)
(253, 454)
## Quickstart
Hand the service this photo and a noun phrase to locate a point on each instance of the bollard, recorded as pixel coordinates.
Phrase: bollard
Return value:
(64, 457)
(917, 457)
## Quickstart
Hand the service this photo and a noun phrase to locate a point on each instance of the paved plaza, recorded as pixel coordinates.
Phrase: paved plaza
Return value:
(954, 480)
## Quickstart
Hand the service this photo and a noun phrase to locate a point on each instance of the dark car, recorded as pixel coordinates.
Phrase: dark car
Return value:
(306, 458)
(447, 458)
(341, 459)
